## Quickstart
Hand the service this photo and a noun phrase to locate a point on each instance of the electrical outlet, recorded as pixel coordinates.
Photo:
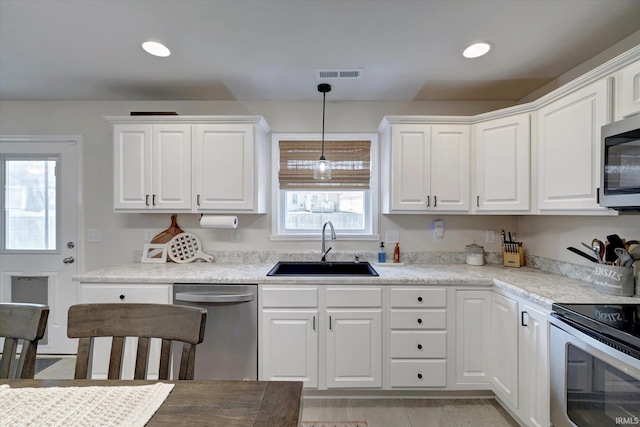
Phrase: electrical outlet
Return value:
(393, 236)
(235, 236)
(93, 235)
(148, 235)
(490, 236)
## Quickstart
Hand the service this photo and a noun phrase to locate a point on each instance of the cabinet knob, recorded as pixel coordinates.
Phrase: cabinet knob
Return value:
(419, 321)
(419, 376)
(419, 346)
(419, 299)
(122, 297)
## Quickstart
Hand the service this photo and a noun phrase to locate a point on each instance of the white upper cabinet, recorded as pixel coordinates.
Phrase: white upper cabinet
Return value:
(502, 165)
(230, 166)
(569, 150)
(425, 168)
(628, 91)
(190, 163)
(152, 167)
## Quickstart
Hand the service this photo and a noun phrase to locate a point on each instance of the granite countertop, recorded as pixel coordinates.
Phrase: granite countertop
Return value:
(528, 283)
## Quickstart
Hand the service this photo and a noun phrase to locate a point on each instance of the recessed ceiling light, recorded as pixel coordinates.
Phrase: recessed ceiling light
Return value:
(476, 50)
(156, 49)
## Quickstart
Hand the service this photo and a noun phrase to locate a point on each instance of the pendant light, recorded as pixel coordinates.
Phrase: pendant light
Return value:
(322, 168)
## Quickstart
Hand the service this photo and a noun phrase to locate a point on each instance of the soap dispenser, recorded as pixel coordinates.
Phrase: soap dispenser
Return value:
(382, 255)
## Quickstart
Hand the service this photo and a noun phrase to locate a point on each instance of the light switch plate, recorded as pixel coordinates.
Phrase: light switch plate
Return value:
(235, 236)
(490, 236)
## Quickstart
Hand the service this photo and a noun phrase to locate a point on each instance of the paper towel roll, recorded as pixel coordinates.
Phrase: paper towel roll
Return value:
(218, 221)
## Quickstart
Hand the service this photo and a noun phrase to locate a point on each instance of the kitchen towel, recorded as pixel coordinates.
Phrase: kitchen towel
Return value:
(218, 221)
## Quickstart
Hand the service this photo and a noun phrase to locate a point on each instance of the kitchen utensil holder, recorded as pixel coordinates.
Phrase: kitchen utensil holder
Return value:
(512, 258)
(614, 280)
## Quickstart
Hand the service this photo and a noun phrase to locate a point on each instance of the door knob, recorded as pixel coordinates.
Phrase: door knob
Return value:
(69, 260)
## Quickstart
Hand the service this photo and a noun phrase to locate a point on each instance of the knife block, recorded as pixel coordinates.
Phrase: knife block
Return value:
(513, 259)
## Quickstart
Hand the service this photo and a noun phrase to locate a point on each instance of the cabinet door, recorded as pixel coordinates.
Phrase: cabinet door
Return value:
(450, 167)
(410, 152)
(224, 167)
(473, 328)
(289, 346)
(534, 366)
(502, 172)
(629, 91)
(354, 349)
(132, 166)
(171, 154)
(569, 149)
(106, 293)
(504, 348)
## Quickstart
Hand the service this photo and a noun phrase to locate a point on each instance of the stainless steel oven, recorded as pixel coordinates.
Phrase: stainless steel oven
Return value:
(595, 365)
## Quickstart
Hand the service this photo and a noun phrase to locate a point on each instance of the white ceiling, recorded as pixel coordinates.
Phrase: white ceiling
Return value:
(255, 50)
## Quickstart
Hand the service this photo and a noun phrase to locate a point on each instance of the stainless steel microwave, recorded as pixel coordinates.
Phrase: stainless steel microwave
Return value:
(620, 174)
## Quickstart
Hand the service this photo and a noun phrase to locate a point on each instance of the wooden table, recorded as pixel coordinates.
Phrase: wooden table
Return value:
(211, 403)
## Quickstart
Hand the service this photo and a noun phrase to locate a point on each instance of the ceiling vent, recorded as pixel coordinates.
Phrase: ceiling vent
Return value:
(339, 74)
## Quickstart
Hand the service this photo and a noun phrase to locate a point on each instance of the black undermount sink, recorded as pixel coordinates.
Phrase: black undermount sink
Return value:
(311, 268)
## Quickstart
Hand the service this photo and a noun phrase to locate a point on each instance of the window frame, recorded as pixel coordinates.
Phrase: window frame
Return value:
(278, 200)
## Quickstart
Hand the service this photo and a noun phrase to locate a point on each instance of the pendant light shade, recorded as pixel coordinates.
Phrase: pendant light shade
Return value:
(322, 169)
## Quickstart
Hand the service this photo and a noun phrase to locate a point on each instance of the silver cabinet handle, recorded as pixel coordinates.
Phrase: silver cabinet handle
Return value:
(146, 199)
(477, 201)
(198, 200)
(153, 200)
(427, 201)
(314, 323)
(435, 201)
(212, 297)
(522, 318)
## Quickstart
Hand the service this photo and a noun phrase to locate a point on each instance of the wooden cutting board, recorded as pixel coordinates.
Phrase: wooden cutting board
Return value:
(168, 234)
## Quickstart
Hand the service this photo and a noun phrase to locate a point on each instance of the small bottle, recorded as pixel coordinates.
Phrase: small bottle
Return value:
(382, 255)
(396, 253)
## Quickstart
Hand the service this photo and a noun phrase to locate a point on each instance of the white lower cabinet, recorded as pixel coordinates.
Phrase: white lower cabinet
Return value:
(124, 293)
(336, 343)
(418, 337)
(520, 359)
(473, 338)
(290, 346)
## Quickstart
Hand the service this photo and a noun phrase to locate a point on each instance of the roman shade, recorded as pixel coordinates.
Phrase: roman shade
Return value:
(350, 162)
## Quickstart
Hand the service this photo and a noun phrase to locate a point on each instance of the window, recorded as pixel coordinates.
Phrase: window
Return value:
(348, 200)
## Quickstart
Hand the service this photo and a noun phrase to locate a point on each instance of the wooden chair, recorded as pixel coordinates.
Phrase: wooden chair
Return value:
(25, 323)
(145, 321)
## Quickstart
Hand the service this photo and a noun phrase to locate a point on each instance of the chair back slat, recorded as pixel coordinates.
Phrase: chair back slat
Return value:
(115, 358)
(144, 321)
(165, 360)
(21, 323)
(142, 359)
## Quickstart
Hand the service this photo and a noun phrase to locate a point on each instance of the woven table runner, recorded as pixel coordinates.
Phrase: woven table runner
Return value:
(81, 406)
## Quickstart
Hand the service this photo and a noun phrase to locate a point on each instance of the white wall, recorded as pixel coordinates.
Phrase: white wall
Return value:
(122, 234)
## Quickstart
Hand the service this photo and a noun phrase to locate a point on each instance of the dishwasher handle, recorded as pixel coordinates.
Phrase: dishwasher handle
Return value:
(212, 297)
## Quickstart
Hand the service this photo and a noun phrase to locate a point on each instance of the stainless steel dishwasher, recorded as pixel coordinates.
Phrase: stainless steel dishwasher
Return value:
(230, 347)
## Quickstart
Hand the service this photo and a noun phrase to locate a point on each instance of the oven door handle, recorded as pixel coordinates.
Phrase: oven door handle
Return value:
(212, 297)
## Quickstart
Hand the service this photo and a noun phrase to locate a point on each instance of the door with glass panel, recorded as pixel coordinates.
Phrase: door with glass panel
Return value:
(39, 247)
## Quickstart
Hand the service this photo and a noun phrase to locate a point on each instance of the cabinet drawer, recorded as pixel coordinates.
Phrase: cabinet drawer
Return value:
(157, 294)
(418, 297)
(354, 297)
(419, 345)
(418, 373)
(289, 297)
(418, 319)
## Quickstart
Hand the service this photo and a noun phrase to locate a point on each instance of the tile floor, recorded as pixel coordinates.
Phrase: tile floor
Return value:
(410, 412)
(378, 412)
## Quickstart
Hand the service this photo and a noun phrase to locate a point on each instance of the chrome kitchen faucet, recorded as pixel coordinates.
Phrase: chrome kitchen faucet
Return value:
(333, 237)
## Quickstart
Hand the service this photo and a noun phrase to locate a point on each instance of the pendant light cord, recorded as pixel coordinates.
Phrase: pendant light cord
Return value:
(324, 98)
